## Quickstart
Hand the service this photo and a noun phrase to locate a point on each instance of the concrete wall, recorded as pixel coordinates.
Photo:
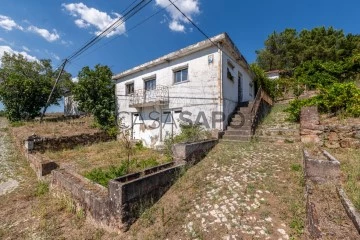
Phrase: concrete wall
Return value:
(191, 153)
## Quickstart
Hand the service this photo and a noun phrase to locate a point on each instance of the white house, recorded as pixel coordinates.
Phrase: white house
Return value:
(202, 83)
(274, 74)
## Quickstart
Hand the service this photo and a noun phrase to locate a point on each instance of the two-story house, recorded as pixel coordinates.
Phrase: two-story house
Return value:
(202, 83)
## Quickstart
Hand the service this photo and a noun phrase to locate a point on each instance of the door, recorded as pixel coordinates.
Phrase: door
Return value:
(240, 91)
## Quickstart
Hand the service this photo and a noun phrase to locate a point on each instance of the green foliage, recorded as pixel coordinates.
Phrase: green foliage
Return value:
(26, 86)
(262, 80)
(95, 93)
(287, 49)
(103, 176)
(41, 188)
(191, 133)
(339, 98)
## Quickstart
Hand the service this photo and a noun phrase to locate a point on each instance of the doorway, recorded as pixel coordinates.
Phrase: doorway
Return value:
(240, 90)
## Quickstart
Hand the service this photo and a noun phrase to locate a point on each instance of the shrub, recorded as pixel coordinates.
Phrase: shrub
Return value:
(339, 98)
(103, 176)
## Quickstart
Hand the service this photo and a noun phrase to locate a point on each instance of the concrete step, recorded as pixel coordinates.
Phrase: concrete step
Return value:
(237, 138)
(239, 123)
(277, 139)
(246, 128)
(232, 132)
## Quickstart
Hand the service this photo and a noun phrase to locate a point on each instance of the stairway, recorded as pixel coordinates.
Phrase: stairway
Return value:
(239, 128)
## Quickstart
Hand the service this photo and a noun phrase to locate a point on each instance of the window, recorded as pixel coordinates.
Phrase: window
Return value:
(129, 88)
(150, 84)
(181, 75)
(229, 75)
(231, 65)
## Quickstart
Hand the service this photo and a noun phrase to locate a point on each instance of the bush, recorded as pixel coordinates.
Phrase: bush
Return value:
(103, 176)
(339, 98)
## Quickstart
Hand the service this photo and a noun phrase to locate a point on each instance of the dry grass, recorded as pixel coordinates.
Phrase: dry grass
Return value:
(165, 220)
(350, 167)
(54, 129)
(101, 155)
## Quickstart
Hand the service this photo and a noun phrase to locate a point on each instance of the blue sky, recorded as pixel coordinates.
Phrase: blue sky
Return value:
(55, 29)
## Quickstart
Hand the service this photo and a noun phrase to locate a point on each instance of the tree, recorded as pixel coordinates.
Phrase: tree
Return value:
(26, 85)
(95, 93)
(288, 49)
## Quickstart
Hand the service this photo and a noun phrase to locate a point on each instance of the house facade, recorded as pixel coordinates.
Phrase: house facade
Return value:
(201, 84)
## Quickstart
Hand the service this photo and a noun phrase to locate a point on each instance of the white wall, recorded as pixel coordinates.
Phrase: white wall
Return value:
(230, 87)
(200, 93)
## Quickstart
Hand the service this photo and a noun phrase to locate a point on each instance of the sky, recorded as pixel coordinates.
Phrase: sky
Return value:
(55, 29)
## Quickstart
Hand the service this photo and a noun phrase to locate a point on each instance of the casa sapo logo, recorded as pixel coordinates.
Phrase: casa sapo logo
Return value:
(154, 119)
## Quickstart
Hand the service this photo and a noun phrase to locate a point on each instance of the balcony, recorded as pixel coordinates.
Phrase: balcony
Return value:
(149, 98)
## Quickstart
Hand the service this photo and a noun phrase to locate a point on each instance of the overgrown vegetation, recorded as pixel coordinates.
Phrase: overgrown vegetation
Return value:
(338, 99)
(189, 133)
(95, 94)
(103, 176)
(309, 60)
(26, 85)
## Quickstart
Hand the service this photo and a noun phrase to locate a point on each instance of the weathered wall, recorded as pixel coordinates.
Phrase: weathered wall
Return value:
(331, 136)
(41, 144)
(119, 205)
(191, 153)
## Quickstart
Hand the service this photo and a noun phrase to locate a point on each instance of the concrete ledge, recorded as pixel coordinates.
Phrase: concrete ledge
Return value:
(142, 190)
(41, 167)
(321, 170)
(191, 153)
(349, 208)
(312, 218)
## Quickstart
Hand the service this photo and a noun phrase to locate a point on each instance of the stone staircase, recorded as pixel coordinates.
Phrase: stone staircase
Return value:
(239, 128)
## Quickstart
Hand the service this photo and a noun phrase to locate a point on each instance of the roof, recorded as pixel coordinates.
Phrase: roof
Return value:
(223, 39)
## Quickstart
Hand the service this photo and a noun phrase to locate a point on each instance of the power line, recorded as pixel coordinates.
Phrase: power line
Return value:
(130, 29)
(110, 28)
(198, 28)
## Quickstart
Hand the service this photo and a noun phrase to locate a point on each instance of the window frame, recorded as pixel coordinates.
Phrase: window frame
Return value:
(181, 69)
(149, 80)
(126, 88)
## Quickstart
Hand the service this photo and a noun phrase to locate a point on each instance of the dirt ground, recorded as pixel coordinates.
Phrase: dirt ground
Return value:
(54, 129)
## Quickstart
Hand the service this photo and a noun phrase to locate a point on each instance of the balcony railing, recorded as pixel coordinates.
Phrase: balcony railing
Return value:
(146, 98)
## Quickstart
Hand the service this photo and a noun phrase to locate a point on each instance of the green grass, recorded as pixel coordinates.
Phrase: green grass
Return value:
(102, 176)
(350, 166)
(41, 188)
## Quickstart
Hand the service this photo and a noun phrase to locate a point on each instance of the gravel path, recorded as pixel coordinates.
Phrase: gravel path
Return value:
(8, 180)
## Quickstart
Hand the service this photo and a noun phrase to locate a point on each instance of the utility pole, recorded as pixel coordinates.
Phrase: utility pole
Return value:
(53, 89)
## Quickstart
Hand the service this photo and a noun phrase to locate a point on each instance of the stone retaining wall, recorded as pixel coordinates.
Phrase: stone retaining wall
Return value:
(40, 144)
(332, 136)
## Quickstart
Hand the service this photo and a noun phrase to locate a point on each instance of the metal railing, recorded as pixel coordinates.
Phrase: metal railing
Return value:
(158, 95)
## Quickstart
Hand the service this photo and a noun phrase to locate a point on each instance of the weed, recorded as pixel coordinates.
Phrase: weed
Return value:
(295, 167)
(41, 188)
(103, 176)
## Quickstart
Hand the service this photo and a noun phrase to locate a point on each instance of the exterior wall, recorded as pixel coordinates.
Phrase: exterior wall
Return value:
(273, 75)
(230, 87)
(200, 93)
(71, 107)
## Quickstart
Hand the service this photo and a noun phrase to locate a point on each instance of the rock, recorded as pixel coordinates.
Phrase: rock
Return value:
(333, 136)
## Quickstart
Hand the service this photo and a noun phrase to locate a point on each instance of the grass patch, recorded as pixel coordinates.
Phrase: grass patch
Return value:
(104, 175)
(295, 167)
(350, 166)
(41, 188)
(105, 155)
